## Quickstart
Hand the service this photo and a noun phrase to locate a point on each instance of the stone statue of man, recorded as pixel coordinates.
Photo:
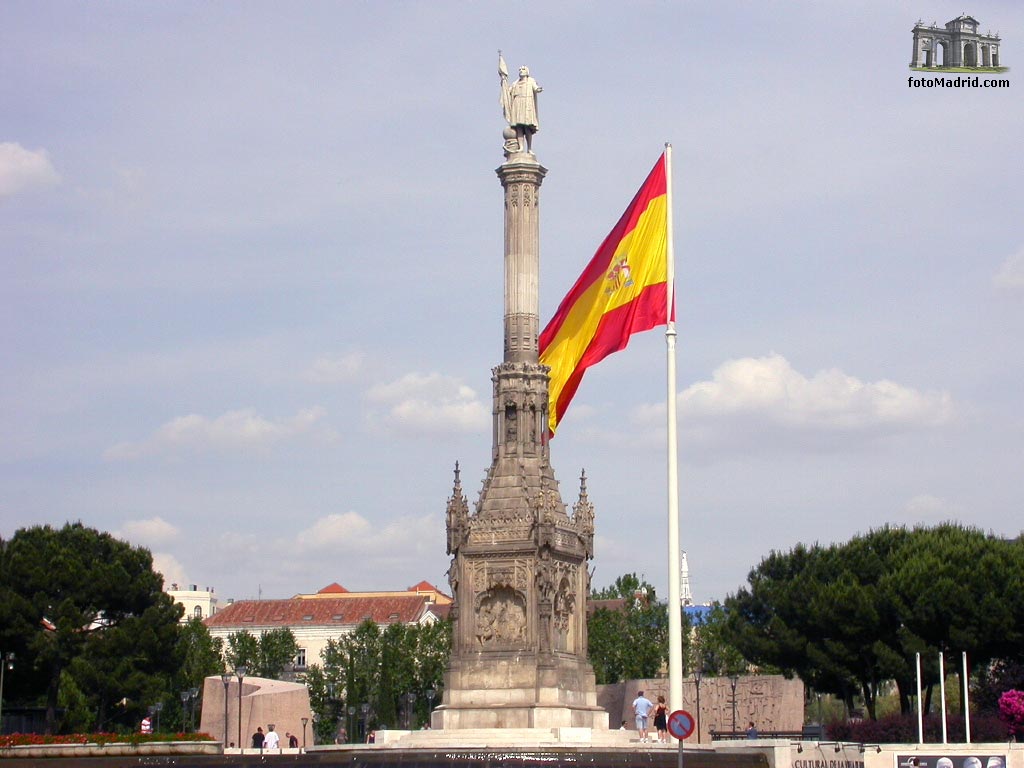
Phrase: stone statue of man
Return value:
(519, 103)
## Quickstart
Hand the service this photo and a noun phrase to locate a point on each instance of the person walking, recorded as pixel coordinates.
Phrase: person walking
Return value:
(642, 707)
(661, 720)
(258, 738)
(272, 740)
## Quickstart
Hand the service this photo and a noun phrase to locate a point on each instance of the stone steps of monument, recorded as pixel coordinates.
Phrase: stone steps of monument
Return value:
(482, 738)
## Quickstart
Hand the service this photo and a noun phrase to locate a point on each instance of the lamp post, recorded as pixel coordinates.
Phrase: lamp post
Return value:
(431, 693)
(6, 662)
(304, 721)
(240, 673)
(331, 707)
(226, 679)
(698, 674)
(366, 709)
(194, 697)
(184, 716)
(411, 700)
(733, 679)
(158, 708)
(351, 723)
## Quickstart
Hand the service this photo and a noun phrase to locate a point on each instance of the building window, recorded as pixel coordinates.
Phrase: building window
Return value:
(198, 612)
(300, 658)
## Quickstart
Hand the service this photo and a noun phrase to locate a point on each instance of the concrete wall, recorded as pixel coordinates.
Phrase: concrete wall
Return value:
(263, 702)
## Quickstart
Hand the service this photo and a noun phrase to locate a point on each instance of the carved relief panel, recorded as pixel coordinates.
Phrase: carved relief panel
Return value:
(500, 604)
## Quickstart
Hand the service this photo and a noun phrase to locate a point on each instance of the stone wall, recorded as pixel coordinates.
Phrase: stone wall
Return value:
(772, 702)
(263, 702)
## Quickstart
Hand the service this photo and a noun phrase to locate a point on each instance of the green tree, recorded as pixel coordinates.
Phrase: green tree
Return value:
(849, 618)
(712, 649)
(268, 655)
(197, 655)
(132, 663)
(379, 668)
(629, 586)
(629, 641)
(63, 588)
(820, 613)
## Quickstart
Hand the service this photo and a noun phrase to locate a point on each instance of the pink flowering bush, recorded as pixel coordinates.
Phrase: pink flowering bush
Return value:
(1011, 710)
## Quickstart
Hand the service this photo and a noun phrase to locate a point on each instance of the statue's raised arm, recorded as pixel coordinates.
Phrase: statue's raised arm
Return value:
(519, 105)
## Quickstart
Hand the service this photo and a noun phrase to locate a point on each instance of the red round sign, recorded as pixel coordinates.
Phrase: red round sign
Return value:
(680, 724)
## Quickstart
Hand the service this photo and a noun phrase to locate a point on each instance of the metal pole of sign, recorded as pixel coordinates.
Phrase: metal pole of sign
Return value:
(680, 763)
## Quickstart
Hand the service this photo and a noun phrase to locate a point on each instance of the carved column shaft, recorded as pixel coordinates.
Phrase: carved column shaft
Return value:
(521, 180)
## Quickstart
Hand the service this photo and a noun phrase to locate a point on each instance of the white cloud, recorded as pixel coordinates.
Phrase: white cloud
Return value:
(231, 431)
(351, 532)
(430, 403)
(763, 404)
(22, 168)
(152, 532)
(336, 370)
(770, 388)
(1011, 272)
(361, 553)
(172, 570)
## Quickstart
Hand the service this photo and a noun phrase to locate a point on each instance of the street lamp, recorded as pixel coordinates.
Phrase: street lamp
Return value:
(366, 709)
(698, 675)
(193, 694)
(351, 723)
(733, 679)
(411, 699)
(431, 693)
(240, 673)
(184, 702)
(331, 705)
(6, 662)
(226, 679)
(304, 721)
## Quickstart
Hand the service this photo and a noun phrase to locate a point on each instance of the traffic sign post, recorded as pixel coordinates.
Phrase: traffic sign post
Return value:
(680, 725)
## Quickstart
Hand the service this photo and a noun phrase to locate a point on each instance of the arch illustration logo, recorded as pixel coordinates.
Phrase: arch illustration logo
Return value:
(957, 46)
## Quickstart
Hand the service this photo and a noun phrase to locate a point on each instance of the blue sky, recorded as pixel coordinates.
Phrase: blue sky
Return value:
(251, 264)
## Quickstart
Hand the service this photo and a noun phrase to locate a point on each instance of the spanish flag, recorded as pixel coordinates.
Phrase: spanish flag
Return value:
(621, 292)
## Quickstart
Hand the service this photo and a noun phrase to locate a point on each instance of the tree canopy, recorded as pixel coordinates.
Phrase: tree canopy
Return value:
(848, 617)
(79, 601)
(379, 668)
(268, 655)
(628, 641)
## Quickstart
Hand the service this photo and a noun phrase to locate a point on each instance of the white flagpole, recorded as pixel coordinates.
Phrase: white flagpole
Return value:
(675, 622)
(942, 693)
(967, 704)
(920, 712)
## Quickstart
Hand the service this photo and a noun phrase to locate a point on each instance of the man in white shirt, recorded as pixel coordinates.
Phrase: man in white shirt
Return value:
(272, 740)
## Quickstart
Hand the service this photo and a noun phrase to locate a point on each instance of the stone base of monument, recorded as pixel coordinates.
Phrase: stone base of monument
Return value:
(508, 738)
(453, 718)
(519, 692)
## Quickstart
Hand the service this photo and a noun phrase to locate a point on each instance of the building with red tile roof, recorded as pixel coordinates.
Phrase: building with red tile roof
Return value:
(329, 614)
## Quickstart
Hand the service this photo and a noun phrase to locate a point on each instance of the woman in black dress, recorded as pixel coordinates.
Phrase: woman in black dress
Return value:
(661, 720)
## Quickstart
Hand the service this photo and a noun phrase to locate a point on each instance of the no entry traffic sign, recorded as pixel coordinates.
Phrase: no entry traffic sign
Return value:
(680, 724)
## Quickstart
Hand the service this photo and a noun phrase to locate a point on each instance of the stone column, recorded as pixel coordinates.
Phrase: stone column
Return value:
(521, 177)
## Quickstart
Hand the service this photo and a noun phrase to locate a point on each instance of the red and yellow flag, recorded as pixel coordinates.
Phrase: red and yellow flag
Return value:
(621, 292)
